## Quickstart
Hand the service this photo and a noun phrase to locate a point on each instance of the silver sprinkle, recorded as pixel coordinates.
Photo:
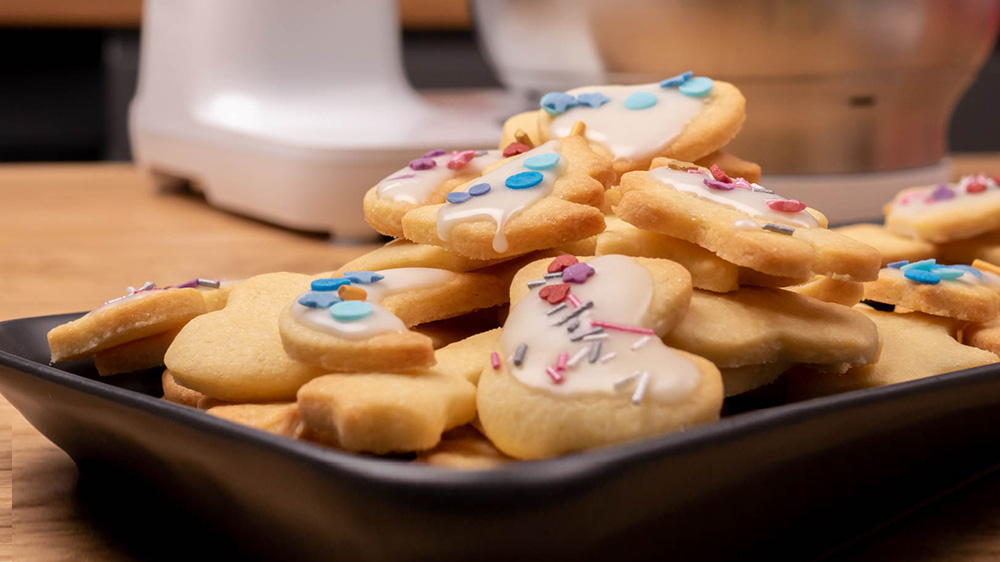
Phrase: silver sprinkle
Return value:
(608, 357)
(580, 310)
(640, 342)
(627, 379)
(482, 152)
(147, 286)
(553, 275)
(595, 352)
(779, 228)
(573, 326)
(577, 356)
(640, 390)
(759, 189)
(593, 337)
(537, 283)
(582, 335)
(519, 354)
(212, 283)
(556, 309)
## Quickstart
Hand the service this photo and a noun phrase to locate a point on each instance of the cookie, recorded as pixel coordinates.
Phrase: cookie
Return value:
(385, 413)
(467, 358)
(451, 330)
(755, 326)
(828, 289)
(141, 313)
(583, 367)
(914, 346)
(235, 354)
(960, 292)
(279, 418)
(742, 223)
(464, 448)
(328, 328)
(983, 247)
(892, 247)
(738, 380)
(424, 181)
(403, 253)
(135, 355)
(946, 212)
(542, 198)
(984, 335)
(173, 392)
(685, 117)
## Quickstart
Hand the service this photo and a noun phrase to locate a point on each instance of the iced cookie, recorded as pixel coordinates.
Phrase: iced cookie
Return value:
(755, 326)
(892, 247)
(579, 363)
(359, 322)
(403, 253)
(539, 199)
(733, 166)
(828, 289)
(914, 346)
(385, 413)
(424, 181)
(946, 212)
(955, 291)
(279, 418)
(141, 313)
(742, 223)
(235, 354)
(464, 448)
(683, 117)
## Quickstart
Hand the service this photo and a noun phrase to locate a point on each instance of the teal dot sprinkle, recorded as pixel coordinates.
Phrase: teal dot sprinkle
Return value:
(640, 100)
(329, 284)
(947, 272)
(524, 180)
(349, 311)
(696, 87)
(920, 276)
(925, 265)
(542, 161)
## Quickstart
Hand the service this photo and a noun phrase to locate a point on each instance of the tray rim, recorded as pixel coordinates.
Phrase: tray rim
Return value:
(559, 473)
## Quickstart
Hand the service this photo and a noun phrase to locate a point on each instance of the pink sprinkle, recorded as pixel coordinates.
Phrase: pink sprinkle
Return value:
(694, 171)
(403, 177)
(495, 360)
(574, 300)
(742, 183)
(720, 175)
(460, 159)
(561, 361)
(621, 327)
(786, 205)
(554, 374)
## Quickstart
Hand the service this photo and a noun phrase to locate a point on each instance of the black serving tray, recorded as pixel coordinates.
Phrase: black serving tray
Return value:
(790, 482)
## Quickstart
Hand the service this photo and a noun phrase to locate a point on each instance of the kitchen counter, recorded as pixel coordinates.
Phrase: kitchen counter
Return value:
(72, 236)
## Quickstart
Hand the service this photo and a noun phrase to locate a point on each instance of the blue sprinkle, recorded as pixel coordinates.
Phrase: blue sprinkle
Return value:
(542, 161)
(922, 276)
(926, 265)
(347, 311)
(675, 81)
(696, 87)
(479, 189)
(640, 100)
(524, 180)
(435, 153)
(329, 284)
(968, 269)
(897, 264)
(947, 272)
(363, 277)
(324, 299)
(458, 197)
(592, 99)
(557, 103)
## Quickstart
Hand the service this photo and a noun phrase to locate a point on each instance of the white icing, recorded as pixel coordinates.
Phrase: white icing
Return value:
(749, 201)
(380, 321)
(122, 300)
(626, 133)
(621, 291)
(419, 188)
(501, 203)
(916, 201)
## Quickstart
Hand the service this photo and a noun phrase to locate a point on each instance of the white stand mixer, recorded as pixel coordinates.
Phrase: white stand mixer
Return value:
(288, 111)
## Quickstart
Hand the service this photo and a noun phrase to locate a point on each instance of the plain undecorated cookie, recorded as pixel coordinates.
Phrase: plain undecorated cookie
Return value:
(891, 246)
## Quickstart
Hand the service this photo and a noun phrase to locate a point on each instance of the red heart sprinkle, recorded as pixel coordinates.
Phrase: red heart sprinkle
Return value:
(515, 148)
(786, 205)
(720, 175)
(555, 294)
(975, 187)
(562, 262)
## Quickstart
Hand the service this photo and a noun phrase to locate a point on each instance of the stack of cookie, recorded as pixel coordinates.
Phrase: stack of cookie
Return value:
(607, 274)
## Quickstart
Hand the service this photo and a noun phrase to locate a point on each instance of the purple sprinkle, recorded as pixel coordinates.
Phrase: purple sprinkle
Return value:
(422, 163)
(403, 177)
(479, 189)
(435, 153)
(942, 193)
(719, 185)
(968, 269)
(457, 197)
(577, 273)
(191, 283)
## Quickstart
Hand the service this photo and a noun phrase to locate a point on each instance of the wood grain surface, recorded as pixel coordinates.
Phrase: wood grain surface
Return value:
(72, 236)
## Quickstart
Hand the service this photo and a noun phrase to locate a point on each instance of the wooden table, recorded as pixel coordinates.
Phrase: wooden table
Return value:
(72, 236)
